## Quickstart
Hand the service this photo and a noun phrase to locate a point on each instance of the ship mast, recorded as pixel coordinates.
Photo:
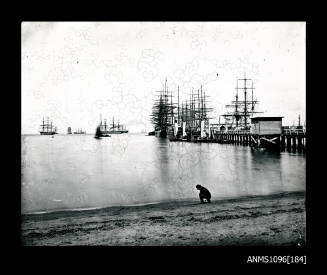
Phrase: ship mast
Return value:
(171, 108)
(252, 110)
(236, 105)
(243, 108)
(245, 105)
(178, 105)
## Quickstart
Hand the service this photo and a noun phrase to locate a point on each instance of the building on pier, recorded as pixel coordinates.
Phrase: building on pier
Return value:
(266, 126)
(266, 130)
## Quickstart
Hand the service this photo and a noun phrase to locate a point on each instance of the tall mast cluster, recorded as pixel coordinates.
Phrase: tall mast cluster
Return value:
(195, 110)
(191, 112)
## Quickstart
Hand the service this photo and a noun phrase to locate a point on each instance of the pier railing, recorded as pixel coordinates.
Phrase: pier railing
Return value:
(247, 132)
(293, 131)
(233, 132)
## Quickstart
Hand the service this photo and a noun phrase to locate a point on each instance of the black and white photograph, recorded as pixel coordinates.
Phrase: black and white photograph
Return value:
(163, 133)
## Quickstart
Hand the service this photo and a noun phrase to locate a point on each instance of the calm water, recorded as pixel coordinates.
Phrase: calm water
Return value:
(78, 171)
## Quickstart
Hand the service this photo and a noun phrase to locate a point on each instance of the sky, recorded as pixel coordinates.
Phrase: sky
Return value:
(73, 72)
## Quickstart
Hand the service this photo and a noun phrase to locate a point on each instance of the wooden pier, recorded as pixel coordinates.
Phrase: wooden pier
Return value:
(287, 140)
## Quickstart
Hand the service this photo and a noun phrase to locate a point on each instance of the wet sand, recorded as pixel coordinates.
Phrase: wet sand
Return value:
(274, 220)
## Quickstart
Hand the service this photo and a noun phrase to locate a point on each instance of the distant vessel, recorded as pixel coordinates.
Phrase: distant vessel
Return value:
(48, 128)
(117, 129)
(79, 132)
(69, 131)
(107, 129)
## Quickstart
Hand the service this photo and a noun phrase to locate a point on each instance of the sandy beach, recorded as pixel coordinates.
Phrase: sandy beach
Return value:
(274, 220)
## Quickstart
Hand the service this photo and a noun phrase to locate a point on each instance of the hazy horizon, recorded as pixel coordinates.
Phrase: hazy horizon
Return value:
(73, 72)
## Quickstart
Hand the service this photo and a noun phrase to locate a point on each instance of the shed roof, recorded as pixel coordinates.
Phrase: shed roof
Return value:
(266, 118)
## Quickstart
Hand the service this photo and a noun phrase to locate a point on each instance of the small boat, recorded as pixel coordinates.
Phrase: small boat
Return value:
(98, 133)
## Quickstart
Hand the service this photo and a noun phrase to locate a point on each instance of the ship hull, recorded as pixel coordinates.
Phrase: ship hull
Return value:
(172, 136)
(102, 134)
(161, 133)
(48, 133)
(113, 132)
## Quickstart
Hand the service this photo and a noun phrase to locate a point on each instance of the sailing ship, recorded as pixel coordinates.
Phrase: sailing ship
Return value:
(162, 112)
(104, 129)
(79, 132)
(118, 128)
(48, 128)
(107, 129)
(241, 110)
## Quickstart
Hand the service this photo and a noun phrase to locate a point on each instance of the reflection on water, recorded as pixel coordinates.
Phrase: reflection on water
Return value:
(79, 171)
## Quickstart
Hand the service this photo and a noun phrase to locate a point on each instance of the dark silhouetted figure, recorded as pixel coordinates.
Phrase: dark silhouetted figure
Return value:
(204, 193)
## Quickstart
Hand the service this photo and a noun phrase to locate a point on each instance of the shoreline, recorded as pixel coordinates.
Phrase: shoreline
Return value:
(162, 202)
(277, 219)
